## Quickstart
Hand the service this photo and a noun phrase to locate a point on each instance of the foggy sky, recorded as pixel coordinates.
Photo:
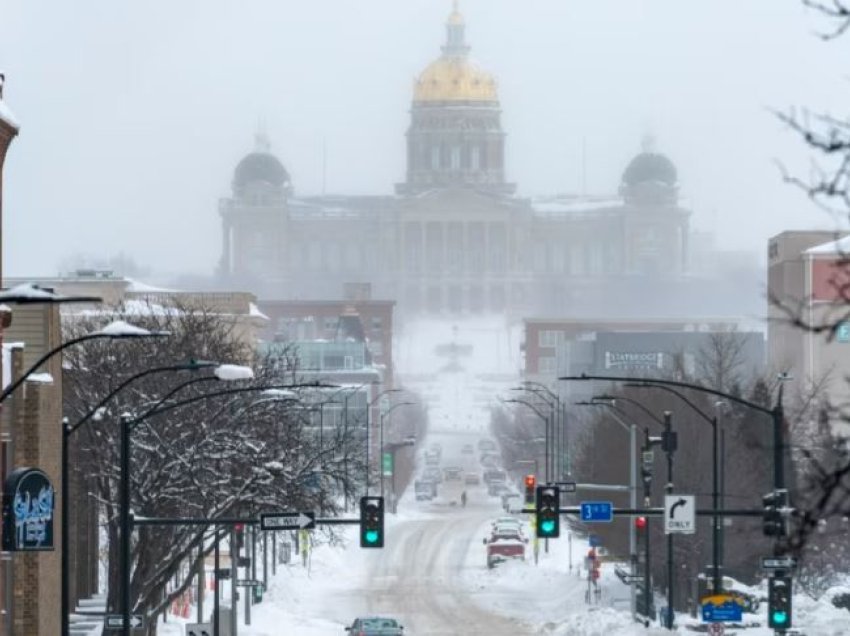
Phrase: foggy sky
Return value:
(132, 119)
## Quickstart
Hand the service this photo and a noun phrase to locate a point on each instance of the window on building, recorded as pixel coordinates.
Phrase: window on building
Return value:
(348, 362)
(475, 158)
(455, 158)
(376, 347)
(547, 365)
(330, 323)
(435, 157)
(548, 338)
(377, 323)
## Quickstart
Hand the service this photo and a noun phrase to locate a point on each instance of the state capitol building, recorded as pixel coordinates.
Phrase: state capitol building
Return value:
(454, 238)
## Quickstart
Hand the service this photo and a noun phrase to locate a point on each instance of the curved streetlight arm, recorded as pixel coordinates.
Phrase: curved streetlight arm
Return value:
(395, 406)
(177, 389)
(543, 387)
(682, 385)
(14, 385)
(633, 402)
(190, 366)
(614, 408)
(134, 421)
(539, 394)
(543, 417)
(677, 394)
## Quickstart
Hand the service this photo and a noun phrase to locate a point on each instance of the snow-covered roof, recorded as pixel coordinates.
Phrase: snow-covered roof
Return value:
(841, 246)
(5, 112)
(140, 287)
(255, 312)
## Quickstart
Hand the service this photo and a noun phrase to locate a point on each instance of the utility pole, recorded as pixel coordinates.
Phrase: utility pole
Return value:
(234, 576)
(217, 566)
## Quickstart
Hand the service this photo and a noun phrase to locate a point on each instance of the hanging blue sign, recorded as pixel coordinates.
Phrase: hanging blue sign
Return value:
(28, 501)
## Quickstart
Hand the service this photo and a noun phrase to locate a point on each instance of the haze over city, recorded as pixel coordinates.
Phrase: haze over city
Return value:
(133, 117)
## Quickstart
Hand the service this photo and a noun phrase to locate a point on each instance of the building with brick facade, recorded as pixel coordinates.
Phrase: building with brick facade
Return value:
(809, 284)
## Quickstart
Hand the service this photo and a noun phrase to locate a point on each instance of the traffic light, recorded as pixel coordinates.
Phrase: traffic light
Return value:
(371, 522)
(773, 519)
(530, 482)
(640, 523)
(239, 531)
(779, 602)
(547, 516)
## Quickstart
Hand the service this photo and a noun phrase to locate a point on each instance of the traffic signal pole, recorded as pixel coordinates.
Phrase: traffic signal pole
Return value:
(668, 449)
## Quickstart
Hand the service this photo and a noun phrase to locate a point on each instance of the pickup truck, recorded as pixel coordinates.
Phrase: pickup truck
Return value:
(501, 547)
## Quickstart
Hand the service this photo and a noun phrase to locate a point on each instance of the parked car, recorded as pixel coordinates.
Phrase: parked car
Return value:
(509, 498)
(424, 490)
(490, 460)
(472, 479)
(432, 473)
(497, 489)
(375, 626)
(500, 549)
(453, 473)
(492, 475)
(486, 445)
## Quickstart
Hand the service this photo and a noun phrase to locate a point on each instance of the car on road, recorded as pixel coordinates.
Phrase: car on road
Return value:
(494, 475)
(486, 445)
(432, 473)
(432, 458)
(490, 460)
(467, 449)
(503, 548)
(424, 490)
(509, 498)
(472, 479)
(375, 626)
(497, 489)
(453, 473)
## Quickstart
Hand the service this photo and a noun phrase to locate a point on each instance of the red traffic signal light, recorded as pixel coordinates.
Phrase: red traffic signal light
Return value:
(640, 523)
(530, 481)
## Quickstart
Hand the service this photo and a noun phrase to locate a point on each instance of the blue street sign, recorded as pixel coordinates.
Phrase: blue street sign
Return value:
(721, 608)
(595, 540)
(597, 511)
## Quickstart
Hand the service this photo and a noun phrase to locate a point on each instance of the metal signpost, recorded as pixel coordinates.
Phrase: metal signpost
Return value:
(288, 521)
(679, 514)
(597, 511)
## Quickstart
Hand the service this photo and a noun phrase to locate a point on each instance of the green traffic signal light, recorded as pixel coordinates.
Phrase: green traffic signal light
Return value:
(372, 522)
(780, 617)
(547, 513)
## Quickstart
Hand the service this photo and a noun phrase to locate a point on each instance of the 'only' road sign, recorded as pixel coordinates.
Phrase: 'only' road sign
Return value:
(679, 514)
(597, 511)
(288, 521)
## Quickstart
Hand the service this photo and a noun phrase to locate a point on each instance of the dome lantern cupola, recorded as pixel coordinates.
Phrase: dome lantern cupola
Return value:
(455, 137)
(261, 170)
(650, 178)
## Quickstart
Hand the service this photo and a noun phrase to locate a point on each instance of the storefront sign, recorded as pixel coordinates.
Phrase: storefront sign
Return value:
(630, 360)
(28, 500)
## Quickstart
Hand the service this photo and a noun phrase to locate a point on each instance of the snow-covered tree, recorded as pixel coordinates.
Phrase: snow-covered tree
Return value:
(237, 454)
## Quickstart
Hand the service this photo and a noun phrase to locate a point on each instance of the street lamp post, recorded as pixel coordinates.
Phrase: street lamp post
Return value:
(717, 579)
(117, 330)
(369, 406)
(560, 469)
(128, 422)
(631, 429)
(381, 441)
(546, 425)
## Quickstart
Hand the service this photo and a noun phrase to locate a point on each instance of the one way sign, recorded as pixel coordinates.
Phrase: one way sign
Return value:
(679, 514)
(288, 521)
(116, 621)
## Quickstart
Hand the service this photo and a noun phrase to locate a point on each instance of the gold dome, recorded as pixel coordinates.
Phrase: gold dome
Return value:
(454, 79)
